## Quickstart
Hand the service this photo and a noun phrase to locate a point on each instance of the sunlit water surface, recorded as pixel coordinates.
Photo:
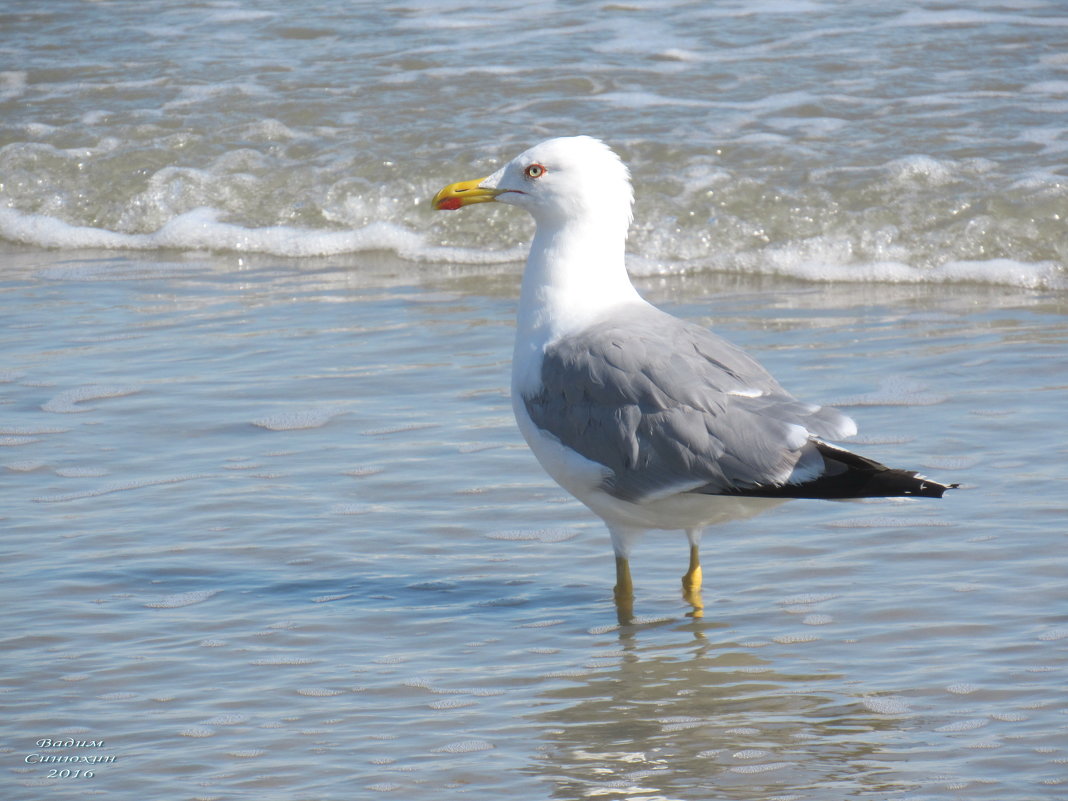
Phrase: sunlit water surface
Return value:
(270, 532)
(268, 529)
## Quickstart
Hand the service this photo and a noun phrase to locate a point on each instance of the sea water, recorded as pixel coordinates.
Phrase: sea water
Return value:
(268, 529)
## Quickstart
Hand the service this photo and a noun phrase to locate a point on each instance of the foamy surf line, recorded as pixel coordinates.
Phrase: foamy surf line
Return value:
(202, 230)
(996, 272)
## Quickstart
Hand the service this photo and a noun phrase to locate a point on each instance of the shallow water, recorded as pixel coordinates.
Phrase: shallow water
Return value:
(910, 142)
(269, 530)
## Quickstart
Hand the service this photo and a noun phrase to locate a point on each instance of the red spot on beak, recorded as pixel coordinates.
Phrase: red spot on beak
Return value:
(450, 204)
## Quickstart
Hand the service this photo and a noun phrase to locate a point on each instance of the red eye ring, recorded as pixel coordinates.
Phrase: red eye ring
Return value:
(534, 171)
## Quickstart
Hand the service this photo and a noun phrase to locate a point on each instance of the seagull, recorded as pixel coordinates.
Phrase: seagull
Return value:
(651, 421)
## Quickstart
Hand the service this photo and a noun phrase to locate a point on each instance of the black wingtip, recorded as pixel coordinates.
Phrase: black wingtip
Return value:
(850, 475)
(928, 488)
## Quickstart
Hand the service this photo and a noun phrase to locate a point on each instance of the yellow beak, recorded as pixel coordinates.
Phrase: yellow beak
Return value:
(463, 193)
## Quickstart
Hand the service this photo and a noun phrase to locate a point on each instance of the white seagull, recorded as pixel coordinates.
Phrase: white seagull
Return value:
(652, 422)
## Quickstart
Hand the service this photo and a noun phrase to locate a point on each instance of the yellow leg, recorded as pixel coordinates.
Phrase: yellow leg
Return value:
(624, 586)
(691, 583)
(624, 591)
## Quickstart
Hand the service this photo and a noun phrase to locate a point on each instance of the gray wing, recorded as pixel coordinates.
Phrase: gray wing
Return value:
(668, 407)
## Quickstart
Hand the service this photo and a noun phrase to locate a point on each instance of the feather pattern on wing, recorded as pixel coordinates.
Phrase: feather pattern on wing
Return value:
(667, 406)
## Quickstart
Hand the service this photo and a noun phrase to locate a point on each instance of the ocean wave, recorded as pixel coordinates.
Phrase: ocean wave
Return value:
(783, 137)
(202, 230)
(819, 259)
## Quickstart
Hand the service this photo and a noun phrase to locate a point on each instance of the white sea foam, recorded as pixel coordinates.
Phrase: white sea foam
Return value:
(196, 731)
(12, 442)
(296, 419)
(795, 261)
(755, 162)
(181, 599)
(81, 472)
(25, 466)
(968, 724)
(201, 229)
(464, 747)
(71, 401)
(886, 705)
(762, 768)
(808, 598)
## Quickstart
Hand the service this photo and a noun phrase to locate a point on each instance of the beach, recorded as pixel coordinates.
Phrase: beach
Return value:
(270, 531)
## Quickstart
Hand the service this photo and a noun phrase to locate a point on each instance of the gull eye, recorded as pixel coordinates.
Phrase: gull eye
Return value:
(534, 171)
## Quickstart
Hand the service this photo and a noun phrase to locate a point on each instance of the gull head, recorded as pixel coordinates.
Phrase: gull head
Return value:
(568, 179)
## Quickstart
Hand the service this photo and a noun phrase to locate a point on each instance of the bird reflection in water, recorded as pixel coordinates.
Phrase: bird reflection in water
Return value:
(680, 710)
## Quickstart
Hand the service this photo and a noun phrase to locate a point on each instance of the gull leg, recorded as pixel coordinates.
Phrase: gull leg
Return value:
(622, 540)
(624, 589)
(691, 581)
(624, 592)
